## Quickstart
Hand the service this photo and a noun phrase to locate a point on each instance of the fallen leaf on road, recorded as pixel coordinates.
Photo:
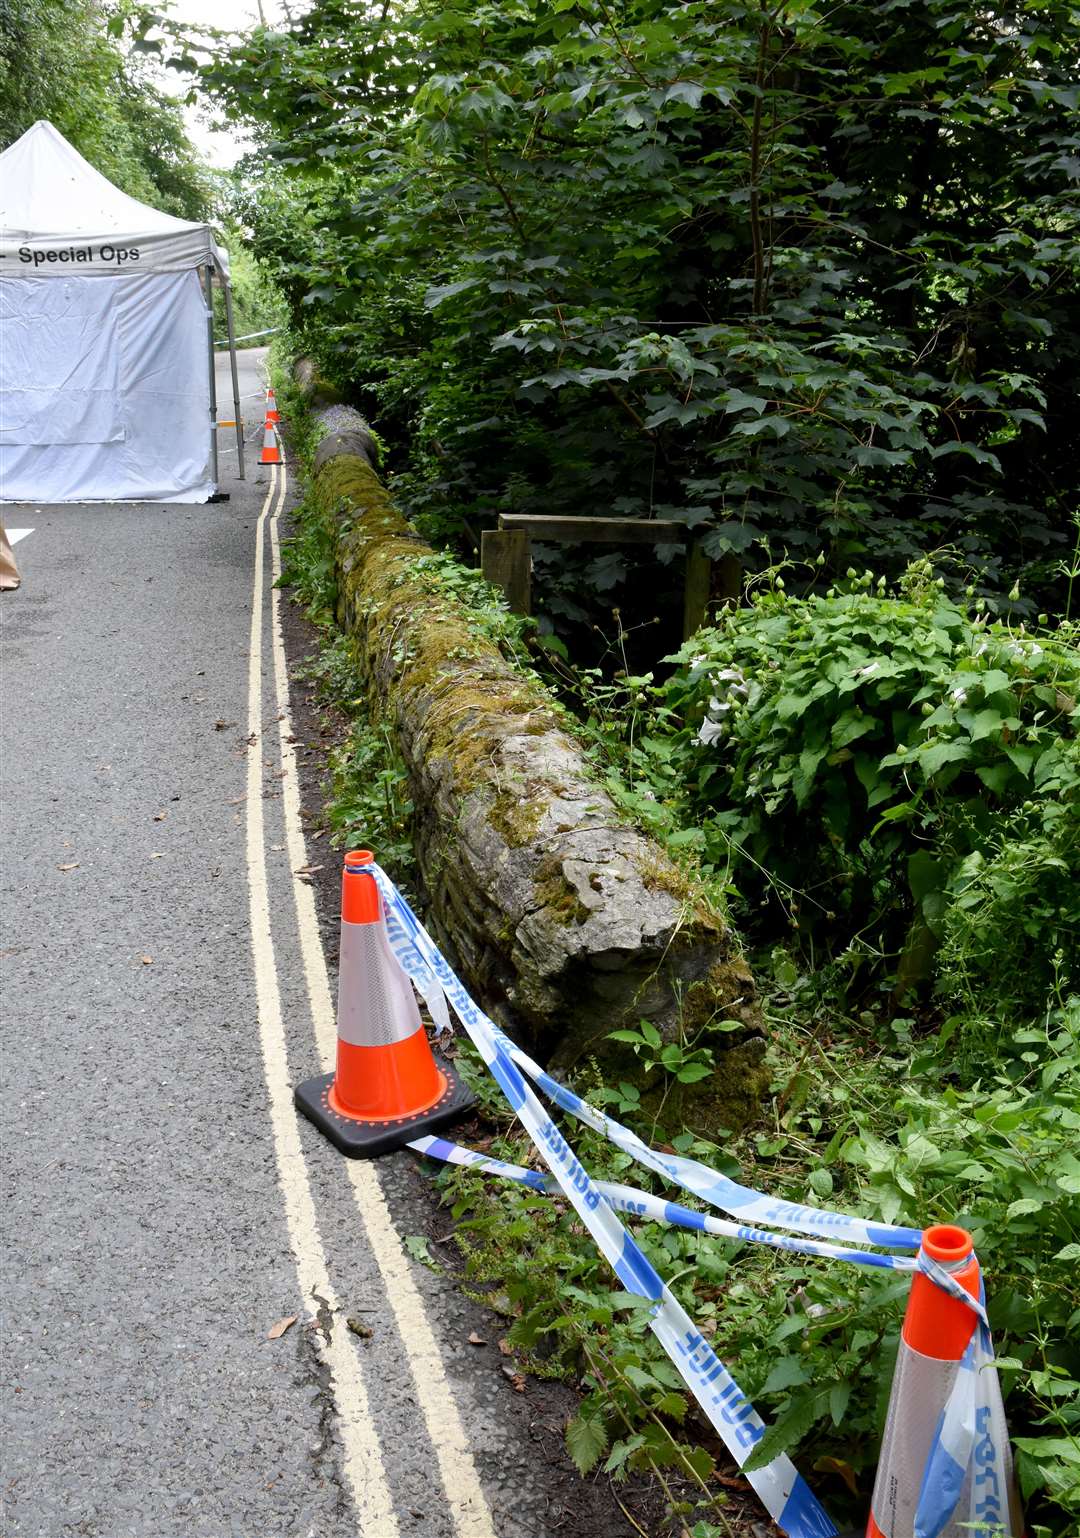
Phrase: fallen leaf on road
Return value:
(319, 832)
(476, 1340)
(72, 865)
(160, 816)
(307, 870)
(417, 1246)
(358, 1327)
(506, 1348)
(276, 1331)
(516, 1379)
(277, 848)
(157, 856)
(223, 726)
(147, 961)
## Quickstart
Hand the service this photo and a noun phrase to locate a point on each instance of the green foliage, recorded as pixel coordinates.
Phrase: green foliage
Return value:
(791, 273)
(565, 1319)
(684, 1060)
(483, 604)
(257, 304)
(813, 1343)
(369, 802)
(307, 566)
(62, 60)
(894, 773)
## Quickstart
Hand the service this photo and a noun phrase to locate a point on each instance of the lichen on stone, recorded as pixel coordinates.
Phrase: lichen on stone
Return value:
(569, 921)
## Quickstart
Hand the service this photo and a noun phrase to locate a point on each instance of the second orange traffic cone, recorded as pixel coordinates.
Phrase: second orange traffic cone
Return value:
(272, 413)
(388, 1087)
(936, 1334)
(271, 450)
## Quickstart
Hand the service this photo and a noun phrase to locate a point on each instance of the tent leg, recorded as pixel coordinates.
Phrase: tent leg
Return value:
(235, 377)
(208, 285)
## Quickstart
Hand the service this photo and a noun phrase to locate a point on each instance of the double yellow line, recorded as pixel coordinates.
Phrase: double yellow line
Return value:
(365, 1466)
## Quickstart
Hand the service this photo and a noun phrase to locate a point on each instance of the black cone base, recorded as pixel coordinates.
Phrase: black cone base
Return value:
(365, 1139)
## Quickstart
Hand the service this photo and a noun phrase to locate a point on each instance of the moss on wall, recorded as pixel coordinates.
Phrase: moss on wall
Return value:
(455, 703)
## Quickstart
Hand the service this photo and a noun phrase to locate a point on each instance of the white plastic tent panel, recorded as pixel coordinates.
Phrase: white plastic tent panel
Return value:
(58, 365)
(104, 390)
(58, 215)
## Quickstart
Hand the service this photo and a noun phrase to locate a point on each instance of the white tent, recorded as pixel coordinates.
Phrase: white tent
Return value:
(106, 337)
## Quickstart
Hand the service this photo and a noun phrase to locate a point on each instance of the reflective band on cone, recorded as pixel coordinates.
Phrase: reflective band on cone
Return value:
(271, 450)
(272, 413)
(937, 1331)
(388, 1087)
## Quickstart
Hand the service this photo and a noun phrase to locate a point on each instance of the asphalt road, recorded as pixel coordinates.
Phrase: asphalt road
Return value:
(163, 987)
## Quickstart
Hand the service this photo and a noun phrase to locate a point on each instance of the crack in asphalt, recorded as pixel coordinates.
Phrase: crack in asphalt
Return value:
(314, 1373)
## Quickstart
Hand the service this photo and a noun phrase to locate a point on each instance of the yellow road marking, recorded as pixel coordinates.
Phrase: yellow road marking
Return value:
(363, 1462)
(464, 1494)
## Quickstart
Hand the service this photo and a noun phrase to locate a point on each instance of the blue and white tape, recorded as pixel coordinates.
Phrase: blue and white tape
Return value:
(782, 1490)
(970, 1436)
(655, 1209)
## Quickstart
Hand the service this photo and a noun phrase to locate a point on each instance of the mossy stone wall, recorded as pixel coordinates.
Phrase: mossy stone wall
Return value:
(565, 922)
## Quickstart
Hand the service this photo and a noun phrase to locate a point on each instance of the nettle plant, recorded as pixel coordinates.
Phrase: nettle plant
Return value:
(895, 772)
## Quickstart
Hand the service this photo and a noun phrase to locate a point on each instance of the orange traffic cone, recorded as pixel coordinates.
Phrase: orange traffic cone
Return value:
(272, 413)
(936, 1333)
(388, 1087)
(271, 450)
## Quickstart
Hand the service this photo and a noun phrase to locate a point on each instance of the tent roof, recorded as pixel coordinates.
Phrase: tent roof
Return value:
(59, 215)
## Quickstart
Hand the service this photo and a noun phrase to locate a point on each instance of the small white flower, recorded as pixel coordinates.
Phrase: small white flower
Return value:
(710, 732)
(958, 695)
(868, 671)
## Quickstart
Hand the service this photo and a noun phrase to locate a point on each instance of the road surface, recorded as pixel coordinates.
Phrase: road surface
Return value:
(164, 986)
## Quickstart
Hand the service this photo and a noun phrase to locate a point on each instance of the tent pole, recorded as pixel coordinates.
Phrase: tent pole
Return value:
(208, 285)
(227, 285)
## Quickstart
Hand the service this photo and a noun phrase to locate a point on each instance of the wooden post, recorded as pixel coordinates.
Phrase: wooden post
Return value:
(698, 582)
(730, 580)
(504, 560)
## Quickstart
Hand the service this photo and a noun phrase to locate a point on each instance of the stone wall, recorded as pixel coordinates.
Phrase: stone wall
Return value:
(565, 921)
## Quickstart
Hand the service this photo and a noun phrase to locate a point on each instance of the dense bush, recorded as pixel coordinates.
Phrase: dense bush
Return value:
(887, 775)
(795, 272)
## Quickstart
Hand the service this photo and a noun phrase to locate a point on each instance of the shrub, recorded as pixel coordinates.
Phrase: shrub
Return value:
(893, 772)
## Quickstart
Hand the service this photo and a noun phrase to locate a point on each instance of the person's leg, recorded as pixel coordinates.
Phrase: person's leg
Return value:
(9, 572)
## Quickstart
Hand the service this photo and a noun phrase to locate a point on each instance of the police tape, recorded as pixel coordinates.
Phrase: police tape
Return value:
(782, 1490)
(643, 1204)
